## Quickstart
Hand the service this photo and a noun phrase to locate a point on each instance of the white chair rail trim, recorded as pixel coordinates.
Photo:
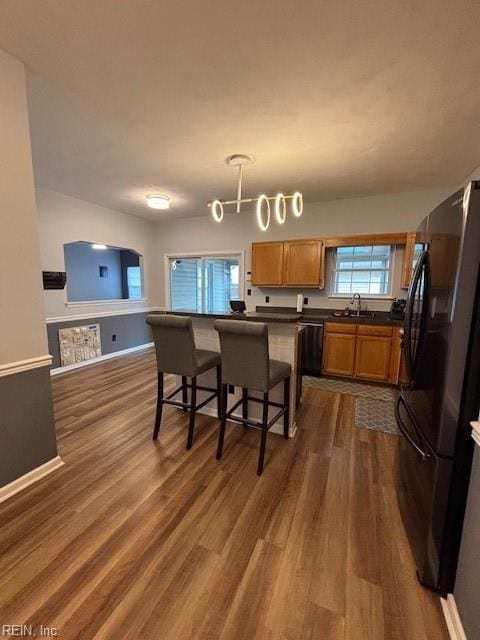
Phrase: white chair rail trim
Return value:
(11, 368)
(101, 314)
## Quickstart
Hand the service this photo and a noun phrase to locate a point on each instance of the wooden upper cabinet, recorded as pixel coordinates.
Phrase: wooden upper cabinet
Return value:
(408, 259)
(267, 264)
(303, 263)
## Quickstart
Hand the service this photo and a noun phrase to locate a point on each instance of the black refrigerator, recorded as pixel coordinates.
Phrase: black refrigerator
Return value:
(434, 409)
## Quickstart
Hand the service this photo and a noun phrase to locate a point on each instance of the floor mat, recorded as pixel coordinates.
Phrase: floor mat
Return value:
(375, 414)
(373, 403)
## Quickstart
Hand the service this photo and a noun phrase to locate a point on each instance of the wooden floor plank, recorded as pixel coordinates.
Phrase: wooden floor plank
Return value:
(140, 539)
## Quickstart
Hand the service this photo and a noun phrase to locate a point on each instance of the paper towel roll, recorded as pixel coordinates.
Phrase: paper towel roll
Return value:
(300, 302)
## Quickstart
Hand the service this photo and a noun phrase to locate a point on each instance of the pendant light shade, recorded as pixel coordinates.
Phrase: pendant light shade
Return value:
(263, 204)
(280, 208)
(217, 210)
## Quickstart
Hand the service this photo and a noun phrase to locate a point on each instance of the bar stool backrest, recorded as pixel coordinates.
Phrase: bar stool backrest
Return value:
(244, 353)
(174, 344)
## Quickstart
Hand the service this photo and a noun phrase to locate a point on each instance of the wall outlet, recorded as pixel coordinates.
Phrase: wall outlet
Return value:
(249, 292)
(114, 337)
(305, 301)
(267, 299)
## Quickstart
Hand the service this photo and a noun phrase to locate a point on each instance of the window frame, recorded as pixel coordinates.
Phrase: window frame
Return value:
(235, 253)
(364, 296)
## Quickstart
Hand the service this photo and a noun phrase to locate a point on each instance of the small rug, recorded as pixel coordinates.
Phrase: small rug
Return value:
(375, 414)
(373, 403)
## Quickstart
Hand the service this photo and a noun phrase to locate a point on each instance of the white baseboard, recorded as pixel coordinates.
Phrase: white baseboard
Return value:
(107, 356)
(452, 618)
(276, 428)
(30, 478)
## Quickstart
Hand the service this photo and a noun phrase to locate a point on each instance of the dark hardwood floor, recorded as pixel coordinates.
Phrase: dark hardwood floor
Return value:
(142, 540)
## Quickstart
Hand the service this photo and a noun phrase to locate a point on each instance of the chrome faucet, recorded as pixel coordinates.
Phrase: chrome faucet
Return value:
(356, 296)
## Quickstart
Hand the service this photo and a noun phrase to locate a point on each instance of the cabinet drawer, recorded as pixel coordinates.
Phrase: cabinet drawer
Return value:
(340, 327)
(374, 330)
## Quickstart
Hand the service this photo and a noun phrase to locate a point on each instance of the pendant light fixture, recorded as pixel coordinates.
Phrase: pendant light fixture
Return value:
(263, 212)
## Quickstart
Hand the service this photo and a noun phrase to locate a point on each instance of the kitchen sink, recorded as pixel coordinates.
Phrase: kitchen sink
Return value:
(362, 314)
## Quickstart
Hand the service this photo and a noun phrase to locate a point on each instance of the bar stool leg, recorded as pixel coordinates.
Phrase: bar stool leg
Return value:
(184, 392)
(286, 402)
(193, 406)
(221, 433)
(158, 413)
(245, 406)
(219, 391)
(264, 435)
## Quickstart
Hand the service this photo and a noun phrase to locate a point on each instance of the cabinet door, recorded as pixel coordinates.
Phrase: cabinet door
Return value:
(304, 263)
(267, 264)
(413, 248)
(339, 354)
(373, 358)
(396, 356)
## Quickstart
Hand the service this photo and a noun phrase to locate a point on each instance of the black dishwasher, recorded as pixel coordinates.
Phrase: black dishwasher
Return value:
(312, 347)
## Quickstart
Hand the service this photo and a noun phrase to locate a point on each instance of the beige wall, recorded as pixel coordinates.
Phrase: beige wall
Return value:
(21, 302)
(64, 219)
(378, 214)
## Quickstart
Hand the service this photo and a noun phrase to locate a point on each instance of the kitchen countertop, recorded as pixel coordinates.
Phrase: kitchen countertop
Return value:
(326, 315)
(254, 316)
(289, 315)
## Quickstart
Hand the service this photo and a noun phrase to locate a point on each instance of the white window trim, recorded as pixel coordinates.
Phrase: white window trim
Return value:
(240, 253)
(369, 296)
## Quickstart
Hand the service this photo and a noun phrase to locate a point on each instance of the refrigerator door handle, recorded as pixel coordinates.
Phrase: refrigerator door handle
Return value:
(407, 337)
(400, 400)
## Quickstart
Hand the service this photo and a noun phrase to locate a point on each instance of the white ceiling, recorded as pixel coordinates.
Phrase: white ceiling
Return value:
(338, 99)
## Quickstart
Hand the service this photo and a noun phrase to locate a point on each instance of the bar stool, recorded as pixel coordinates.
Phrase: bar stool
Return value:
(246, 363)
(176, 353)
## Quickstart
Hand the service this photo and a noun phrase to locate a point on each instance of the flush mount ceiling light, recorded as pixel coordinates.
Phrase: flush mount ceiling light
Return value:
(99, 247)
(158, 201)
(239, 160)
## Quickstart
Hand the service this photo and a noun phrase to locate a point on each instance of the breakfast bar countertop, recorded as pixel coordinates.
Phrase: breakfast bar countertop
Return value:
(254, 316)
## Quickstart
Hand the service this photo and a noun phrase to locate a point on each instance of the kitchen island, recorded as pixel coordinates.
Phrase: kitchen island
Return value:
(283, 342)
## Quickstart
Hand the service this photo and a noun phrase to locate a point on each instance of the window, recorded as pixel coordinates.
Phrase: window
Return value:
(364, 270)
(204, 284)
(134, 283)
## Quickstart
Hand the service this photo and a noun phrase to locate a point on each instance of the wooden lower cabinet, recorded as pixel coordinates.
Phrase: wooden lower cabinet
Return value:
(363, 352)
(339, 354)
(372, 360)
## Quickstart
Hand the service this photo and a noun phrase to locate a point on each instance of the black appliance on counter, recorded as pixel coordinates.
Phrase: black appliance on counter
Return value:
(397, 310)
(238, 306)
(434, 411)
(312, 348)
